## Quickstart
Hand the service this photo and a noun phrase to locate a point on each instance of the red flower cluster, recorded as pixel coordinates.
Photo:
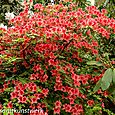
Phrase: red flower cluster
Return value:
(44, 57)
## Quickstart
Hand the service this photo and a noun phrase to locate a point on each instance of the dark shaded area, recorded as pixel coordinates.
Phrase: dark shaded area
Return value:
(109, 105)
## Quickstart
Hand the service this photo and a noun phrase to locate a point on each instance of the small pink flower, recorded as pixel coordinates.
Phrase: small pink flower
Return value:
(103, 105)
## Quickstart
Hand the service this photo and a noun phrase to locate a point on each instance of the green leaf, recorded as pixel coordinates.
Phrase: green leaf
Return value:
(0, 31)
(113, 76)
(8, 89)
(111, 89)
(96, 108)
(5, 113)
(39, 90)
(17, 104)
(98, 85)
(11, 113)
(18, 40)
(62, 57)
(12, 59)
(23, 80)
(113, 93)
(105, 85)
(94, 63)
(106, 79)
(62, 71)
(5, 100)
(24, 74)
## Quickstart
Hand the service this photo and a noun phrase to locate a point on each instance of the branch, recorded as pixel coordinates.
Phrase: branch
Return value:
(64, 48)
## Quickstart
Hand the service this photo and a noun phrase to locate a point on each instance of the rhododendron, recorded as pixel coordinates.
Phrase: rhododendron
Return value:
(52, 59)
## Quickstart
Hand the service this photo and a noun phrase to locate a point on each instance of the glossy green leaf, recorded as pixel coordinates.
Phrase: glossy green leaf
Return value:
(94, 63)
(98, 85)
(11, 113)
(5, 113)
(23, 80)
(0, 31)
(113, 93)
(39, 90)
(106, 79)
(105, 85)
(19, 40)
(113, 76)
(111, 89)
(62, 57)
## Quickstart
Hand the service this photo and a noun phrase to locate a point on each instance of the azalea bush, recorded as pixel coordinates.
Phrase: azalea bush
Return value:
(57, 60)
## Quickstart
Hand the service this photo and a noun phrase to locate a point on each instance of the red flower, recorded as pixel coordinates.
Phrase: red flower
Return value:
(21, 92)
(3, 75)
(5, 86)
(20, 85)
(33, 76)
(57, 104)
(94, 51)
(0, 61)
(36, 68)
(54, 72)
(22, 99)
(105, 93)
(52, 62)
(99, 91)
(94, 43)
(44, 78)
(76, 91)
(104, 11)
(84, 81)
(16, 113)
(14, 69)
(34, 100)
(52, 55)
(0, 106)
(58, 86)
(13, 95)
(102, 105)
(37, 95)
(90, 102)
(45, 92)
(77, 83)
(16, 88)
(71, 100)
(67, 107)
(57, 110)
(10, 105)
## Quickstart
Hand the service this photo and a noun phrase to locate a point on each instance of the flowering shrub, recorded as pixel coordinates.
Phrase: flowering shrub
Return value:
(53, 60)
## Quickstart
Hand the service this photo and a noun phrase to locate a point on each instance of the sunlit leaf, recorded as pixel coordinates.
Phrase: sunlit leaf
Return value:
(98, 85)
(106, 79)
(113, 76)
(105, 85)
(94, 63)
